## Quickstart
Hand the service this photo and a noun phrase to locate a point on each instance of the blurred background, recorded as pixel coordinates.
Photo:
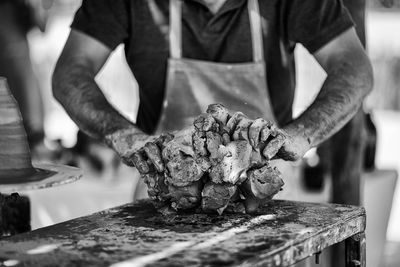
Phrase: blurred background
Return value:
(107, 183)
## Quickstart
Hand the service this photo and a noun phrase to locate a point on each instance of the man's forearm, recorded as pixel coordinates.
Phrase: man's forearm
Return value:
(341, 96)
(75, 88)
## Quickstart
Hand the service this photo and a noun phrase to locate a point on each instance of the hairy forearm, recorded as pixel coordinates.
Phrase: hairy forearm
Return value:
(75, 88)
(340, 98)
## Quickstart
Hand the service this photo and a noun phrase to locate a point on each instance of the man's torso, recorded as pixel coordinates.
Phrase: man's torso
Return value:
(223, 37)
(142, 26)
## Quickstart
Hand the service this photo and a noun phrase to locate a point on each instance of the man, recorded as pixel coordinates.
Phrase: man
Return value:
(188, 54)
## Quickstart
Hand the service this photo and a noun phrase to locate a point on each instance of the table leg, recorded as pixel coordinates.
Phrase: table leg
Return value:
(15, 217)
(355, 250)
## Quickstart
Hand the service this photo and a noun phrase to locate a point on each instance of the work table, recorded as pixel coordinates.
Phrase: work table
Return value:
(284, 232)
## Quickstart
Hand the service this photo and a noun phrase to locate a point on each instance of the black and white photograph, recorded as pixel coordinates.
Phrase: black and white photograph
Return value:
(141, 133)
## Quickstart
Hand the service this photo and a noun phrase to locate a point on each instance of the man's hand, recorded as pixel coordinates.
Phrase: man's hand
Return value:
(294, 147)
(139, 149)
(262, 135)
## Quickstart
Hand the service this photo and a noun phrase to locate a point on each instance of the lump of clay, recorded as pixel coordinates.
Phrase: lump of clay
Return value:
(164, 193)
(231, 163)
(182, 168)
(212, 167)
(236, 161)
(157, 189)
(264, 182)
(216, 197)
(185, 197)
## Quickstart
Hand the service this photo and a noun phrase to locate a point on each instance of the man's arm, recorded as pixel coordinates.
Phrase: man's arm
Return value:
(349, 81)
(75, 88)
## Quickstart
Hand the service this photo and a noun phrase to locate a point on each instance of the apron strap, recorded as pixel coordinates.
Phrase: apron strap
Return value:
(175, 32)
(256, 30)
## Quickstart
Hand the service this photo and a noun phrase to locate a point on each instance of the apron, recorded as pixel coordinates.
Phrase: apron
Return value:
(192, 85)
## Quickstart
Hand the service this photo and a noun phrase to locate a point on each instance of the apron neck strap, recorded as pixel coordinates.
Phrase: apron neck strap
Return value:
(175, 32)
(256, 30)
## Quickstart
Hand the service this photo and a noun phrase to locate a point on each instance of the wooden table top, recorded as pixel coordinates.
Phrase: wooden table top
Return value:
(284, 232)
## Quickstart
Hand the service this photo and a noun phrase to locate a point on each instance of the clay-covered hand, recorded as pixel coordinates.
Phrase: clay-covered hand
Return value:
(264, 136)
(235, 124)
(139, 149)
(239, 127)
(283, 144)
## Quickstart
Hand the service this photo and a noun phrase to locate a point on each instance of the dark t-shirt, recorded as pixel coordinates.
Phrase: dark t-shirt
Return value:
(142, 25)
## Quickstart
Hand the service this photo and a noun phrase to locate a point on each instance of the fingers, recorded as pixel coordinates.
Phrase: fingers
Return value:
(163, 139)
(274, 145)
(207, 138)
(153, 153)
(156, 187)
(219, 112)
(226, 139)
(237, 126)
(268, 131)
(210, 124)
(260, 133)
(148, 158)
(205, 122)
(139, 160)
(255, 131)
(233, 122)
(199, 144)
(242, 129)
(213, 142)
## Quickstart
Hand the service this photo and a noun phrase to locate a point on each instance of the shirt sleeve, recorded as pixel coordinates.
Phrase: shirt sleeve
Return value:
(105, 20)
(314, 23)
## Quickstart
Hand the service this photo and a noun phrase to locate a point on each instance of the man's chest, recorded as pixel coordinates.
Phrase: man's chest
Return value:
(224, 36)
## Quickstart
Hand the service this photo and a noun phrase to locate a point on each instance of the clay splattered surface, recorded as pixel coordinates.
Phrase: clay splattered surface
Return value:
(282, 233)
